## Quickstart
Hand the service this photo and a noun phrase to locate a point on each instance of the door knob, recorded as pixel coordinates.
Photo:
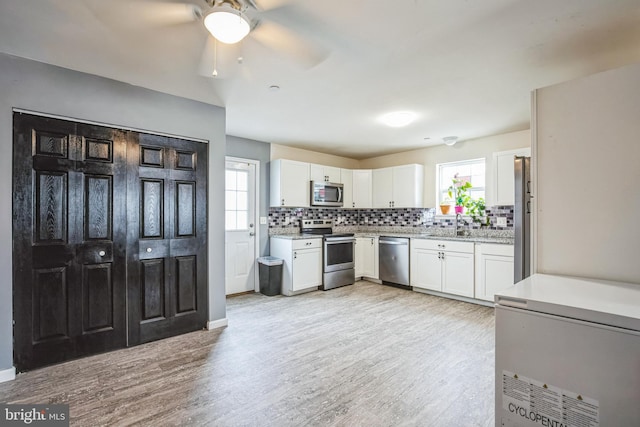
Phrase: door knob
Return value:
(102, 253)
(149, 249)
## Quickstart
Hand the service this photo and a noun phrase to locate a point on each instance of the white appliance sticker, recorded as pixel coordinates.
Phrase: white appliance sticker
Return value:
(542, 404)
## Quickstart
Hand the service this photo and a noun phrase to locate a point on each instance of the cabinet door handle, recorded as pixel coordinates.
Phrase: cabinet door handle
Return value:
(102, 253)
(149, 249)
(282, 202)
(295, 255)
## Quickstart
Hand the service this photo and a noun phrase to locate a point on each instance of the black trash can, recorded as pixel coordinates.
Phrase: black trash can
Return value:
(270, 273)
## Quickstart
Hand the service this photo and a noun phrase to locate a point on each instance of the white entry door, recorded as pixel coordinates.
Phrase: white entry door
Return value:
(240, 234)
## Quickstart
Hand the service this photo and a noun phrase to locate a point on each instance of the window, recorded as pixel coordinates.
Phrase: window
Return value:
(236, 199)
(472, 171)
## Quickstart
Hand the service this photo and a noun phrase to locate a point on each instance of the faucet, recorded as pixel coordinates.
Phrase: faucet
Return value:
(457, 223)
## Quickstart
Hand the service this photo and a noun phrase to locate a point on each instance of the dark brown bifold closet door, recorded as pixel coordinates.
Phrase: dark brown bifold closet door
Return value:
(167, 251)
(110, 239)
(69, 230)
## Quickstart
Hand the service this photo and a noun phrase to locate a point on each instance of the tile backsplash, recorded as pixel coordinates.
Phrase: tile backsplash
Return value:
(406, 217)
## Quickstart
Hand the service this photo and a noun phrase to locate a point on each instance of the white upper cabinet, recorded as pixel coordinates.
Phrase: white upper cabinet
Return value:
(383, 188)
(347, 180)
(503, 180)
(357, 188)
(290, 183)
(408, 183)
(324, 173)
(394, 187)
(362, 189)
(398, 187)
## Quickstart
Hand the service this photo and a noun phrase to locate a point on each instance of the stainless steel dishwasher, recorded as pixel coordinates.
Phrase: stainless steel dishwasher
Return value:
(393, 257)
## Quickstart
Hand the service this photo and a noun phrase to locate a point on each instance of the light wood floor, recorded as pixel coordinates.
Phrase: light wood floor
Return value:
(361, 355)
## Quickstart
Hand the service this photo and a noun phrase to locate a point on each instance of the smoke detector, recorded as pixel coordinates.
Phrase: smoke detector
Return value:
(450, 140)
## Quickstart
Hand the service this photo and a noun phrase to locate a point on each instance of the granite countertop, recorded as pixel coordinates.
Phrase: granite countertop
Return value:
(296, 236)
(497, 239)
(474, 239)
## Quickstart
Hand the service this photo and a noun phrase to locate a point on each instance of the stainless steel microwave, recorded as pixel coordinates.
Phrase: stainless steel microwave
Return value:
(326, 193)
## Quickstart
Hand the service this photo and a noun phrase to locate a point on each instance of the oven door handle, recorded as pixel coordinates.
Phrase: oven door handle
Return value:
(387, 242)
(330, 240)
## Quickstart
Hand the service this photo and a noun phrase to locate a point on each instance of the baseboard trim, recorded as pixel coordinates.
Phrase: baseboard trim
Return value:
(8, 374)
(456, 297)
(215, 324)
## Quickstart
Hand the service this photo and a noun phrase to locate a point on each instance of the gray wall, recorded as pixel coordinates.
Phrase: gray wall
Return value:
(44, 88)
(261, 151)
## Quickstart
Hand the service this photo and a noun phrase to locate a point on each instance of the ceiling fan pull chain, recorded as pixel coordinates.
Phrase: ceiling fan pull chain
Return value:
(215, 58)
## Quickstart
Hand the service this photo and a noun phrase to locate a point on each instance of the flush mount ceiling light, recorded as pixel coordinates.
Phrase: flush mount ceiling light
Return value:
(398, 119)
(450, 140)
(226, 24)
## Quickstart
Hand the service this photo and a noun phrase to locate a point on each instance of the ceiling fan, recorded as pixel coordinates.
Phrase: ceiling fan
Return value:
(268, 22)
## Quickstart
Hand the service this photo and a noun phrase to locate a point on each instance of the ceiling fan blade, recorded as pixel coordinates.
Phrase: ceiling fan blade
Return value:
(144, 13)
(284, 41)
(267, 4)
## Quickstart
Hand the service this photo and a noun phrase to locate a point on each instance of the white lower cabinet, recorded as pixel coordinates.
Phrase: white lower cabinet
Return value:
(366, 257)
(443, 266)
(494, 269)
(302, 266)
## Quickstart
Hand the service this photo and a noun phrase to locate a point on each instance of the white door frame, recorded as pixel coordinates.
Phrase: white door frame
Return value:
(256, 212)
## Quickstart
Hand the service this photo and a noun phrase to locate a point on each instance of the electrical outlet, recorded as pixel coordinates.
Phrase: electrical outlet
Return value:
(501, 222)
(263, 220)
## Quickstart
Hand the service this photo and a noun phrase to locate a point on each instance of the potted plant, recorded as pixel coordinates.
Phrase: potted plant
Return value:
(459, 192)
(476, 210)
(445, 206)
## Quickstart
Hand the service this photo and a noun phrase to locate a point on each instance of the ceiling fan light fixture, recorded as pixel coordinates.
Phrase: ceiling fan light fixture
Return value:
(227, 24)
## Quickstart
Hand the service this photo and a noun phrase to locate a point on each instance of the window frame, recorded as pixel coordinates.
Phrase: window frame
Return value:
(439, 171)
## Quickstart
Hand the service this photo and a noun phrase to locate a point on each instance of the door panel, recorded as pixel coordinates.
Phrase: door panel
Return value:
(68, 208)
(98, 295)
(50, 304)
(167, 238)
(185, 202)
(186, 284)
(153, 289)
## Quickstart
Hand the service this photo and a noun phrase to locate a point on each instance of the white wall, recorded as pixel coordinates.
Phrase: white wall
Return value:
(587, 168)
(291, 153)
(464, 150)
(48, 89)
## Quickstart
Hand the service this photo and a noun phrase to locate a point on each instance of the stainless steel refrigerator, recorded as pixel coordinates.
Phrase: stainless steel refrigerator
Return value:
(522, 218)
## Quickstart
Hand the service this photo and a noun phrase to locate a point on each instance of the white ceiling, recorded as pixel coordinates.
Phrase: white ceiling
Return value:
(465, 67)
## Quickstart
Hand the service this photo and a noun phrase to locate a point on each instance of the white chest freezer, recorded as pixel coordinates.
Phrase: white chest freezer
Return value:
(568, 353)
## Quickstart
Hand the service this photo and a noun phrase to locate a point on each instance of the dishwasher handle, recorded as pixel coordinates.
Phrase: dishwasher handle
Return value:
(393, 242)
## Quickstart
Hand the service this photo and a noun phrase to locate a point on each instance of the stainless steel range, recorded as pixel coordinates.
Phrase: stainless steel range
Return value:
(338, 253)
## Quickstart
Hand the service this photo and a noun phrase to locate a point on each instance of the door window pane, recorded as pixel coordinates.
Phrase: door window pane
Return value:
(236, 199)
